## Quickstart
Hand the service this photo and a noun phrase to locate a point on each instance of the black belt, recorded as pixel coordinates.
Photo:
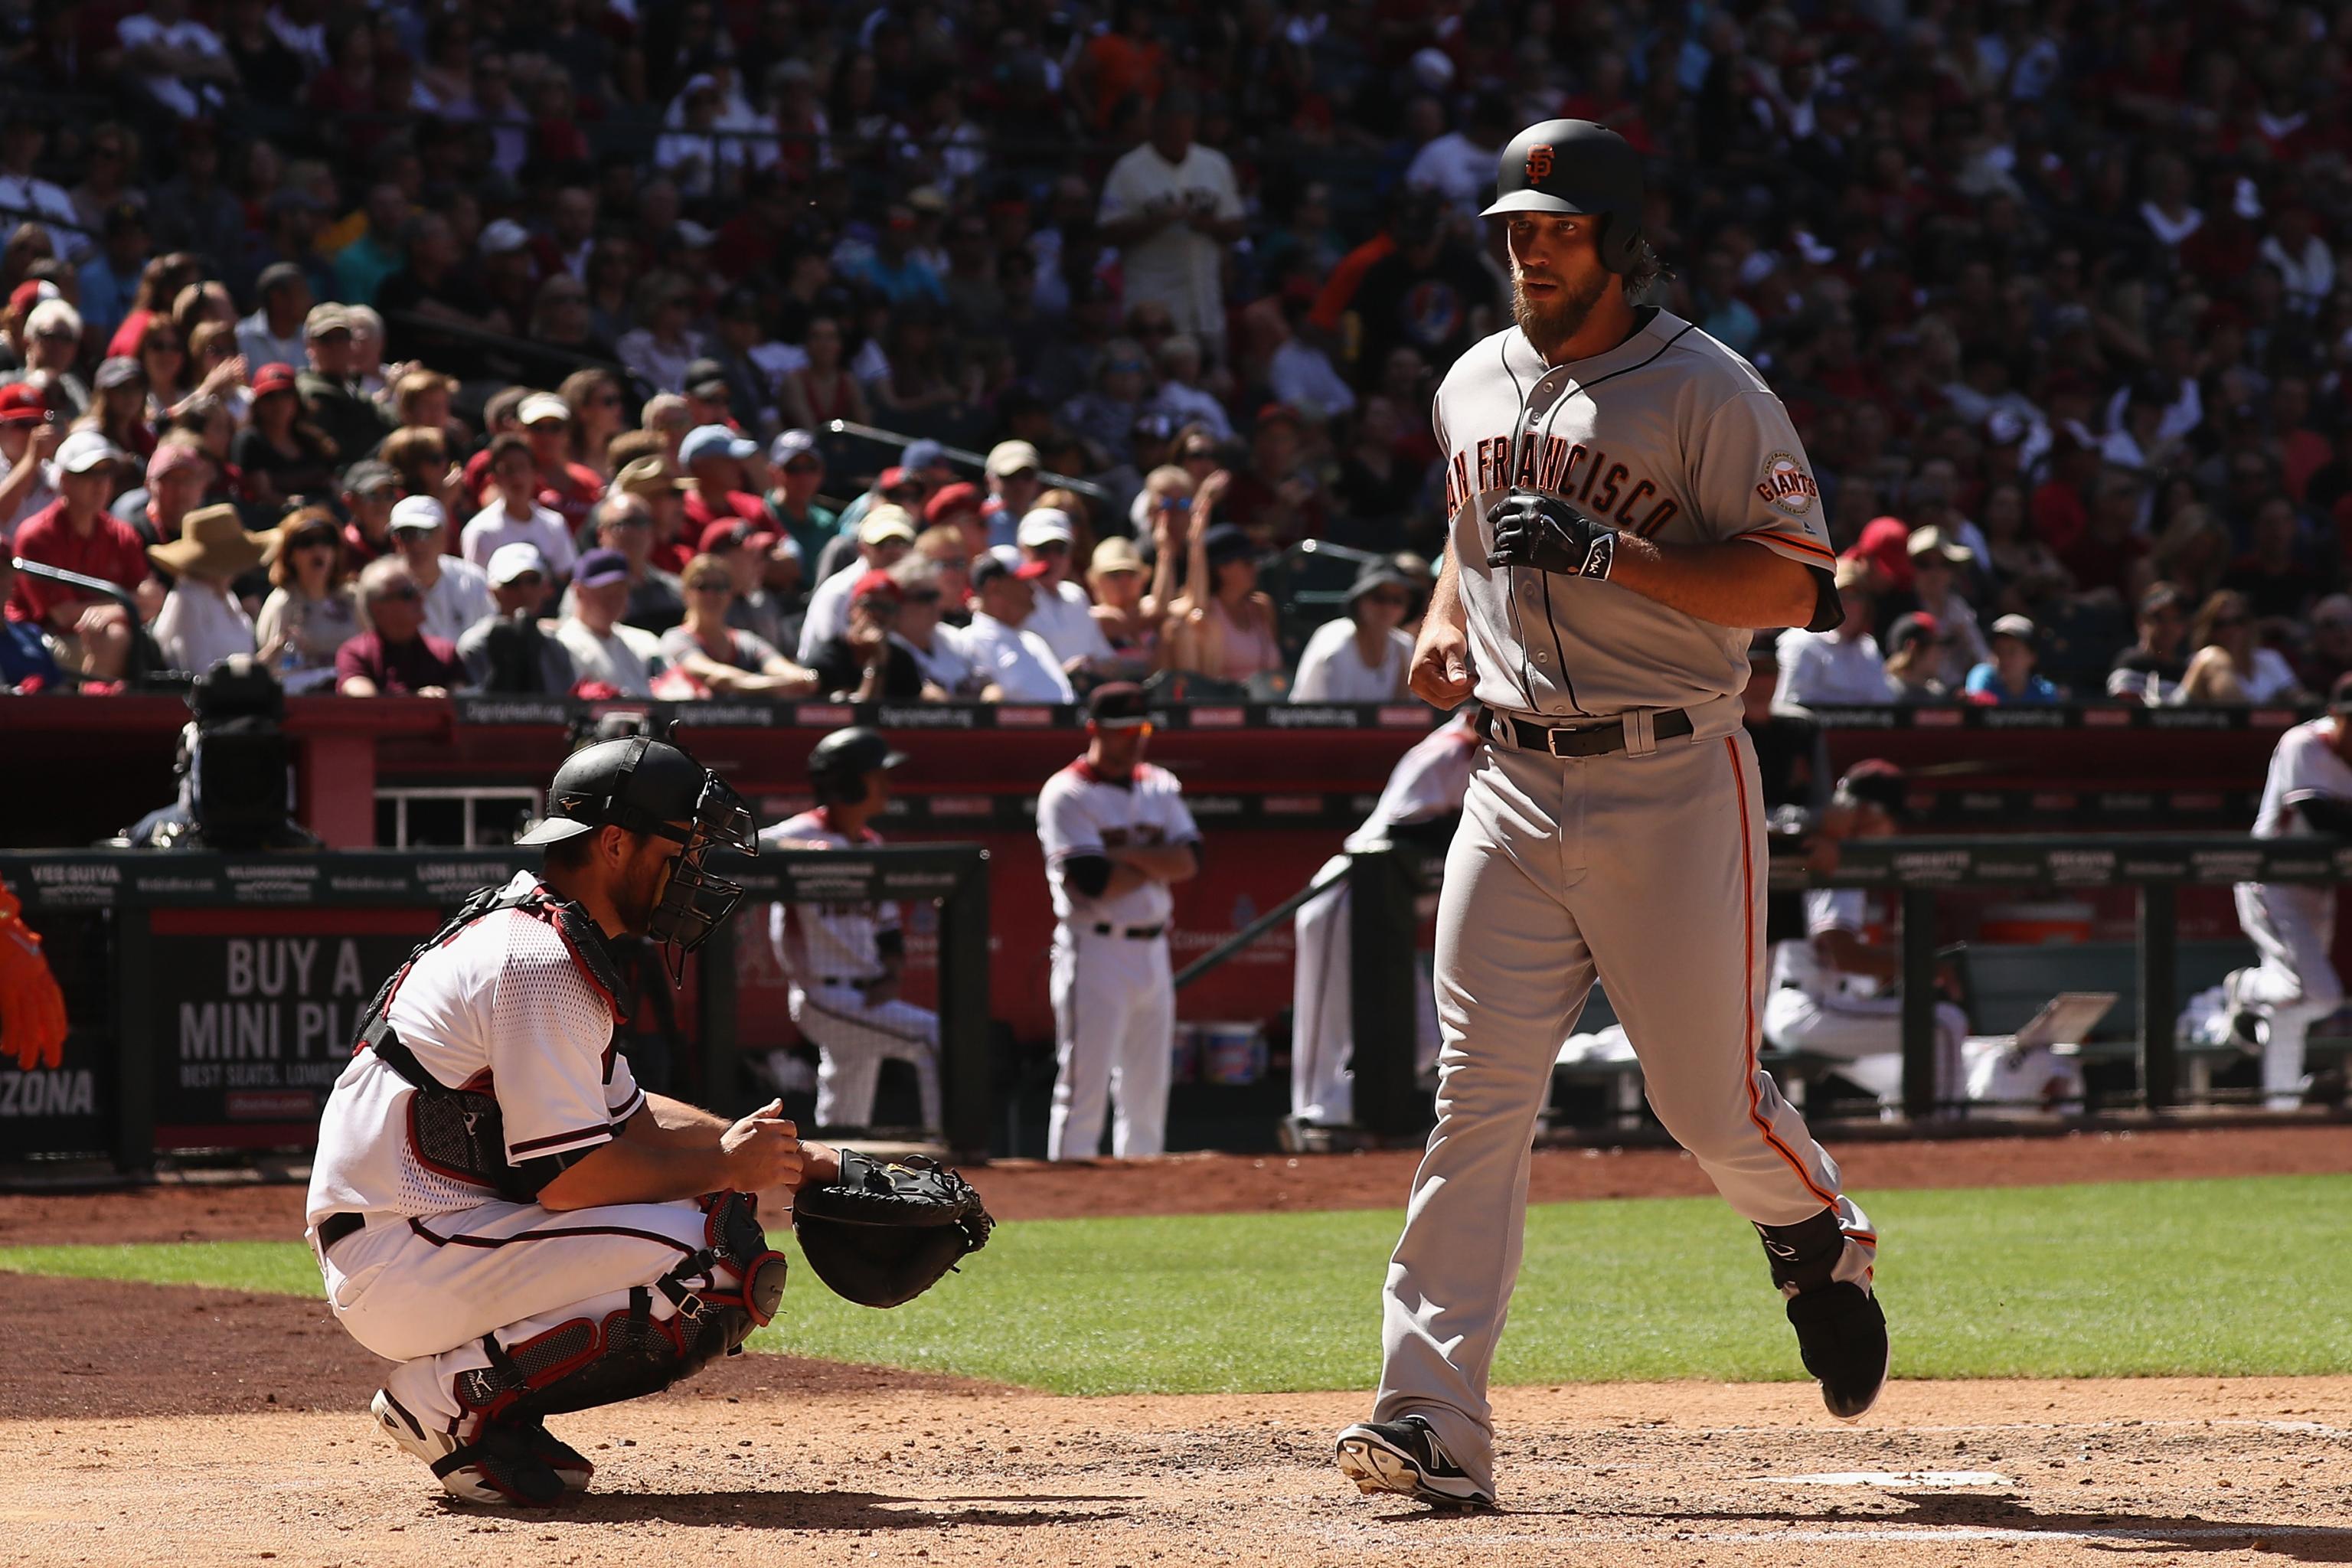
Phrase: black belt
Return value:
(336, 1226)
(1579, 740)
(1133, 933)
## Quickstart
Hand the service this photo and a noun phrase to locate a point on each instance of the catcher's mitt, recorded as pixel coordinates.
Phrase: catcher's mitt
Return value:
(884, 1233)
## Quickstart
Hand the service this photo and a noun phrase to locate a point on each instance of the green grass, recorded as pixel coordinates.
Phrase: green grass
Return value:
(2222, 1277)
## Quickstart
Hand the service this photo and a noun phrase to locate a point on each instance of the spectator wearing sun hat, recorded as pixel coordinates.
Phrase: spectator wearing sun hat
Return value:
(1064, 615)
(202, 621)
(883, 540)
(1361, 656)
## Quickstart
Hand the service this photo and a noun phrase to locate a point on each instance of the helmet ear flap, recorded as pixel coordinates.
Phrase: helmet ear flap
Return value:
(1620, 239)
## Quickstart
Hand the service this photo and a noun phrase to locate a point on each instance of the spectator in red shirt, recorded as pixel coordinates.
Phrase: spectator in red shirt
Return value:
(76, 534)
(713, 457)
(2059, 514)
(568, 488)
(393, 657)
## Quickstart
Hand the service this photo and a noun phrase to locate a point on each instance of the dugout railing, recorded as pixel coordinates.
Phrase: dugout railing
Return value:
(212, 999)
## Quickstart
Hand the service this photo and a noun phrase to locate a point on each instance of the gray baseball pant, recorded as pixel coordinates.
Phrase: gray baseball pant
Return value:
(1648, 871)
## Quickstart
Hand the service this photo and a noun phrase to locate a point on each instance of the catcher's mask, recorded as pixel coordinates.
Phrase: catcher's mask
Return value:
(649, 786)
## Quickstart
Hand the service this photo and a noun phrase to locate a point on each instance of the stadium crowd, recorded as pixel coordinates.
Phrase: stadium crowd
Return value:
(418, 348)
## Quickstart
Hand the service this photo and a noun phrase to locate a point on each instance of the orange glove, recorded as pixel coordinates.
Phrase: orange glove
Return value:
(32, 1008)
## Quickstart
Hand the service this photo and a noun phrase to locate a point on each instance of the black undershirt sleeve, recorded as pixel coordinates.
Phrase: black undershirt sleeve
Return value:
(1828, 613)
(2325, 813)
(1090, 874)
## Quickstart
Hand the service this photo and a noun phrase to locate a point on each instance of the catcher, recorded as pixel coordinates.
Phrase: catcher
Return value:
(498, 1208)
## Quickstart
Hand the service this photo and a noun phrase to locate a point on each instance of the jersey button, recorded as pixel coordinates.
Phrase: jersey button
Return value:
(1543, 658)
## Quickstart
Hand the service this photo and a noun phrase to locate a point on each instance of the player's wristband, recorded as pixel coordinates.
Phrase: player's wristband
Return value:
(1600, 556)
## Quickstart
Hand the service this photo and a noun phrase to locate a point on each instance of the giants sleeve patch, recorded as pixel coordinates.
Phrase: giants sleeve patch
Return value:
(1785, 485)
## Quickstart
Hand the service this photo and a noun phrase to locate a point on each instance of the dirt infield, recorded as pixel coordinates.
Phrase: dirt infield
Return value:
(145, 1424)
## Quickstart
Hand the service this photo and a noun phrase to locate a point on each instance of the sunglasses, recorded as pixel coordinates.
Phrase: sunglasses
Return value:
(803, 466)
(528, 579)
(923, 596)
(1399, 600)
(1199, 453)
(707, 587)
(409, 594)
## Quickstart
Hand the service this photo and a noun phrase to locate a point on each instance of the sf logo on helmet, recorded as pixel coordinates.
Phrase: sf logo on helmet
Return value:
(1540, 161)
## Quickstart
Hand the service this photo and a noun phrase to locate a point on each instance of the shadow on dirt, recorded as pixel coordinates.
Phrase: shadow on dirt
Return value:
(838, 1511)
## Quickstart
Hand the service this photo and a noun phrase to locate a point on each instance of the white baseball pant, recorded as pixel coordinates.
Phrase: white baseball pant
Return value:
(2292, 926)
(1648, 872)
(424, 1292)
(1323, 1008)
(854, 1037)
(1114, 1032)
(1850, 1027)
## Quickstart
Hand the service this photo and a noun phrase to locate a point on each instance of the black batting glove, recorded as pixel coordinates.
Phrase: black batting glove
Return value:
(1548, 534)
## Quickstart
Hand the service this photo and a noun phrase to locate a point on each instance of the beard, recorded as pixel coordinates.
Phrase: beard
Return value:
(1549, 324)
(641, 895)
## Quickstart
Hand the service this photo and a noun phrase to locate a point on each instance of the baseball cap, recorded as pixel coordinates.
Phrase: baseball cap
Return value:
(542, 405)
(2017, 626)
(1876, 782)
(1374, 575)
(649, 477)
(278, 275)
(1046, 525)
(509, 562)
(706, 379)
(273, 377)
(923, 454)
(119, 370)
(599, 567)
(875, 583)
(1011, 457)
(987, 566)
(24, 296)
(1117, 554)
(504, 237)
(958, 497)
(86, 449)
(692, 235)
(326, 319)
(425, 515)
(714, 441)
(1118, 705)
(726, 533)
(1227, 542)
(367, 474)
(169, 457)
(793, 444)
(1918, 625)
(21, 403)
(1933, 541)
(882, 523)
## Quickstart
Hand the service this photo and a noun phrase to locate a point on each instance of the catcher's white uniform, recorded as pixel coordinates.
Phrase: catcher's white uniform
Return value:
(2292, 924)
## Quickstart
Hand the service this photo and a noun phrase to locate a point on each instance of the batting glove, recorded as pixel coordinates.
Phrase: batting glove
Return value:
(1548, 534)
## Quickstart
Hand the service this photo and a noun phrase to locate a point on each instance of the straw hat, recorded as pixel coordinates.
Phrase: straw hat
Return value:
(211, 543)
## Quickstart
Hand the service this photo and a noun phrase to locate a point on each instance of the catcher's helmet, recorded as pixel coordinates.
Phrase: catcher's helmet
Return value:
(838, 764)
(1575, 166)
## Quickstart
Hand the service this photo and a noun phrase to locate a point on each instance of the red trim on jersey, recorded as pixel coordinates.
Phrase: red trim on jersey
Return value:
(1794, 542)
(1750, 959)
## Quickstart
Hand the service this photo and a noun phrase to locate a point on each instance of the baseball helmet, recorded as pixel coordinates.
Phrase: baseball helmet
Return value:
(1575, 166)
(838, 764)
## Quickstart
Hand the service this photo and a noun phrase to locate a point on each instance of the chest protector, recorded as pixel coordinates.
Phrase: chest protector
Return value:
(458, 1131)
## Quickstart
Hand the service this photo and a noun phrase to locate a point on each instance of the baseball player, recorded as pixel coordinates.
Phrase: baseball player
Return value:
(1627, 498)
(496, 1206)
(2271, 1007)
(1424, 789)
(844, 959)
(1833, 988)
(1117, 837)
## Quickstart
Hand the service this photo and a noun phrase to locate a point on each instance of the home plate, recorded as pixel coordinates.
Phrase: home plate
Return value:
(1890, 1479)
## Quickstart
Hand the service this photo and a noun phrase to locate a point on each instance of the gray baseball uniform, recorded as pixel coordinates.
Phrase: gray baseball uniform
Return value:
(1643, 866)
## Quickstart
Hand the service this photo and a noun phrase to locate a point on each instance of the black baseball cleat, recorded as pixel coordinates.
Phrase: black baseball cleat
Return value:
(1405, 1455)
(1842, 1335)
(571, 1466)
